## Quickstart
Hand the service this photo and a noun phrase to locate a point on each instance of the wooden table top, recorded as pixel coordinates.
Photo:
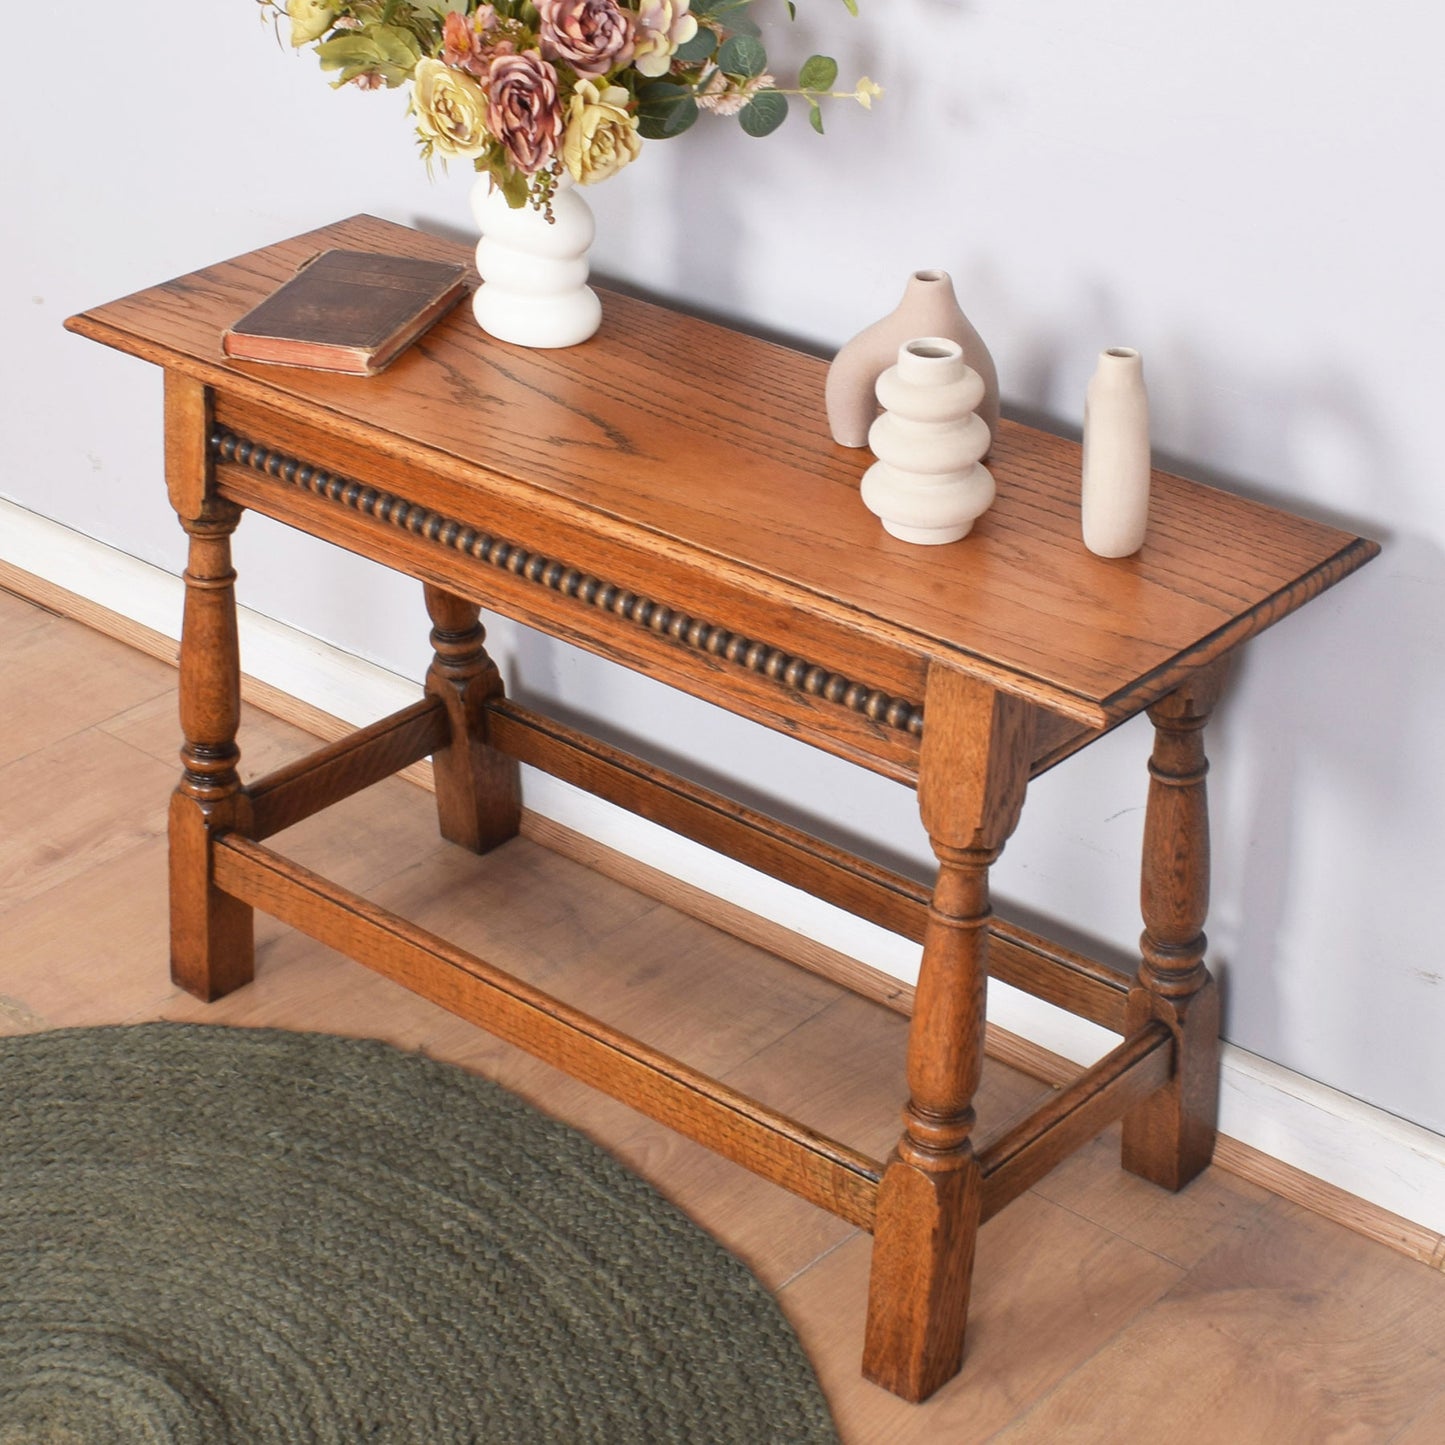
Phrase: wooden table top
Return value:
(712, 447)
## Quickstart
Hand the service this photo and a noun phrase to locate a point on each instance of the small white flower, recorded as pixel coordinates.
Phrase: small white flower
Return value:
(722, 95)
(867, 92)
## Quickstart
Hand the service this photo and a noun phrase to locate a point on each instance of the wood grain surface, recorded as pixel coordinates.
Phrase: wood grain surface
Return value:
(713, 446)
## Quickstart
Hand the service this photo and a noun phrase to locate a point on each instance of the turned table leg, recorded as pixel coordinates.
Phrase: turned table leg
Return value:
(973, 771)
(212, 939)
(479, 796)
(1169, 1138)
(212, 944)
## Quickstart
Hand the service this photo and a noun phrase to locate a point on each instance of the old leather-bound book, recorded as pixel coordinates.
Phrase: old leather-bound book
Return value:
(347, 311)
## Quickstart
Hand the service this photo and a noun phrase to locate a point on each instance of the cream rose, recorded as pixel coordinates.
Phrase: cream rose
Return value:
(662, 25)
(450, 108)
(310, 20)
(600, 137)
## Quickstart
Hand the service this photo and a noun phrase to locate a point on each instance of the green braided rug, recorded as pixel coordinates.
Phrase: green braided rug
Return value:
(216, 1235)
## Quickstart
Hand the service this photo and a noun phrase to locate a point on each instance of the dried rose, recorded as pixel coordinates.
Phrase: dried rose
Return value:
(473, 46)
(592, 36)
(662, 25)
(460, 45)
(601, 137)
(310, 20)
(524, 113)
(451, 110)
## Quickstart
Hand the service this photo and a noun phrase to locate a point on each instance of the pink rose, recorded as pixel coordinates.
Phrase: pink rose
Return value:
(523, 111)
(592, 36)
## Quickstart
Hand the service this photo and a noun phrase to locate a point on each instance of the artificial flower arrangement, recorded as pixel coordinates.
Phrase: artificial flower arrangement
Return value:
(528, 90)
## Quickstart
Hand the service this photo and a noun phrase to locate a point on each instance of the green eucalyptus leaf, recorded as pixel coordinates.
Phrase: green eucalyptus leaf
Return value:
(852, 6)
(743, 55)
(699, 48)
(732, 15)
(737, 18)
(815, 116)
(664, 110)
(792, 10)
(764, 113)
(818, 73)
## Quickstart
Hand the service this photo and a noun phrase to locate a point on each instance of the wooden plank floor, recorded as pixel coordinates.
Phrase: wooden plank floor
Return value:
(1105, 1310)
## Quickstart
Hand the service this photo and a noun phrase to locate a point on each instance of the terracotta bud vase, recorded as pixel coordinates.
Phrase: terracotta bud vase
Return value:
(1115, 499)
(928, 308)
(534, 288)
(927, 485)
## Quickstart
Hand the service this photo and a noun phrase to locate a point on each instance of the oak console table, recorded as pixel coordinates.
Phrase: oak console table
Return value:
(667, 495)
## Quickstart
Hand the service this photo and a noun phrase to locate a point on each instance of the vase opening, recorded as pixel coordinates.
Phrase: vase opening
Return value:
(932, 275)
(934, 348)
(1124, 353)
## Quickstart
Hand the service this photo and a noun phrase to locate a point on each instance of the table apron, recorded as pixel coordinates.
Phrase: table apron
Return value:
(710, 658)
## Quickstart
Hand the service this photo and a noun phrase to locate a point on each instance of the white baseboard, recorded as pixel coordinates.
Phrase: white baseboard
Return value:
(1365, 1152)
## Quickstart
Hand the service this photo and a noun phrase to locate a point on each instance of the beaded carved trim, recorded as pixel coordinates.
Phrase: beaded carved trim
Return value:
(794, 673)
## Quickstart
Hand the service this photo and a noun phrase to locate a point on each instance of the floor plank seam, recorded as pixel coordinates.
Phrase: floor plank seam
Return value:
(742, 1063)
(26, 898)
(1138, 1319)
(813, 1263)
(1088, 1219)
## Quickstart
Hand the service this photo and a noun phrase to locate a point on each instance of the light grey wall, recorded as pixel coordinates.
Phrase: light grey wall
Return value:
(1246, 193)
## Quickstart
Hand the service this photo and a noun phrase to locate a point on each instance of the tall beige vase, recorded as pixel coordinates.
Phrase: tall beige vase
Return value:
(1115, 496)
(928, 308)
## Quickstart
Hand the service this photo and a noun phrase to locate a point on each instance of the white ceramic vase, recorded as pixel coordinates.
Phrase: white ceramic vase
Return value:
(927, 485)
(1115, 500)
(534, 288)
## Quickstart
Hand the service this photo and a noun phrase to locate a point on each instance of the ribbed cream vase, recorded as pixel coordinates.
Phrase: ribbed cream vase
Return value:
(1115, 496)
(927, 485)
